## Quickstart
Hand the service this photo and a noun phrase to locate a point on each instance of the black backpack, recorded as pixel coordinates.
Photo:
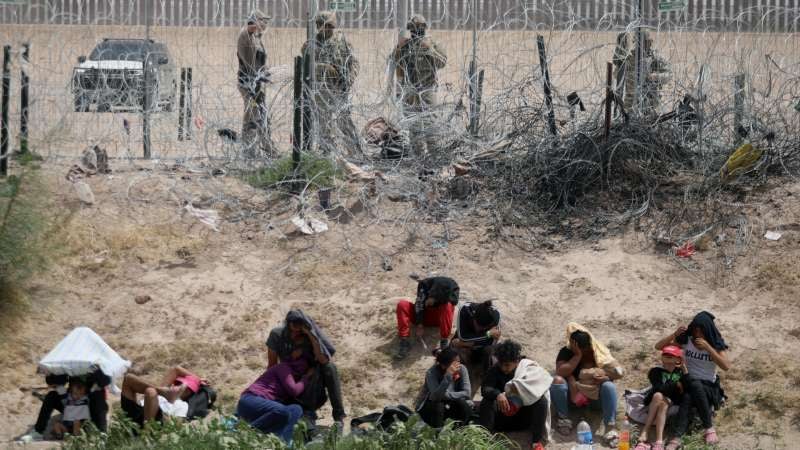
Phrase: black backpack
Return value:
(201, 402)
(383, 420)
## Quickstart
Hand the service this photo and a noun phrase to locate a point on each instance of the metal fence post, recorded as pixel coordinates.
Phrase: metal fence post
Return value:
(23, 110)
(4, 111)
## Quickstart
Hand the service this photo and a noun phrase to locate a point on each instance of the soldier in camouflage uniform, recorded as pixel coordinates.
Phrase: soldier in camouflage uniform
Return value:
(336, 70)
(655, 72)
(253, 73)
(416, 60)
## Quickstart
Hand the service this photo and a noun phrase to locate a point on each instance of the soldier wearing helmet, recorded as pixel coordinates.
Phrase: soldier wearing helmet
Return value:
(416, 59)
(253, 72)
(655, 72)
(336, 70)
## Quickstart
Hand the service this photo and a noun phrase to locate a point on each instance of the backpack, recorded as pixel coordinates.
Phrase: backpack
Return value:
(201, 402)
(383, 420)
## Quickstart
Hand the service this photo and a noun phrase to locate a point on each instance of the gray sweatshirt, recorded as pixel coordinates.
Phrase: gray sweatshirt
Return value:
(440, 387)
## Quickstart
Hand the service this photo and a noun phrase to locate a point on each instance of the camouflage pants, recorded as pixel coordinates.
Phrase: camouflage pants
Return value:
(255, 136)
(419, 111)
(335, 120)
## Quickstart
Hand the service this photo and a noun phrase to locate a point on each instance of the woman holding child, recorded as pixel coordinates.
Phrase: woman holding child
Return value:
(704, 351)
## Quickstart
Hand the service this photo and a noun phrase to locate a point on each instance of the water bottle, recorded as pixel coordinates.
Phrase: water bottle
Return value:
(625, 436)
(584, 436)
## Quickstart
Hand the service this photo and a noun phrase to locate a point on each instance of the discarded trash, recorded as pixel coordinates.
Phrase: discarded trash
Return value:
(209, 217)
(387, 264)
(439, 244)
(460, 169)
(84, 192)
(308, 225)
(324, 198)
(773, 235)
(142, 299)
(199, 122)
(686, 250)
(740, 161)
(355, 173)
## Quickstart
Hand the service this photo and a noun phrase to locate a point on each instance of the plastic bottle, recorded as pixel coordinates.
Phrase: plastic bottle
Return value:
(584, 436)
(625, 436)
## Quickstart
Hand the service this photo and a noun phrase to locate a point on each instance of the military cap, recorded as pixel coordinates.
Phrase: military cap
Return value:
(257, 16)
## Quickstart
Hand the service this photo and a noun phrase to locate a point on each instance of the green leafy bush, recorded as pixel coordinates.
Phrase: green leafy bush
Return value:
(215, 434)
(315, 170)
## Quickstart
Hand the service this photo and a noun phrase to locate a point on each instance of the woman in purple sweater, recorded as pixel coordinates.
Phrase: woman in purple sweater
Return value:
(264, 403)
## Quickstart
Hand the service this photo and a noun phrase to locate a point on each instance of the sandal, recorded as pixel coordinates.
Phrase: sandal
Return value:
(564, 426)
(674, 444)
(658, 445)
(612, 438)
(642, 446)
(711, 436)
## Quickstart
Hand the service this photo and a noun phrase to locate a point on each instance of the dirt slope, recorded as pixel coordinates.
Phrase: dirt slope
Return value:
(215, 295)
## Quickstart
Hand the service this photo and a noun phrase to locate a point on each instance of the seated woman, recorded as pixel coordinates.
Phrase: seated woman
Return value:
(667, 389)
(585, 374)
(446, 393)
(265, 403)
(704, 351)
(515, 395)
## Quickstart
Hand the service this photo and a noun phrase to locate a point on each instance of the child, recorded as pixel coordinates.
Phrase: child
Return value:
(668, 383)
(76, 409)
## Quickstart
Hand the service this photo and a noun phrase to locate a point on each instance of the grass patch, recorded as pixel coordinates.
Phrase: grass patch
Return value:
(317, 171)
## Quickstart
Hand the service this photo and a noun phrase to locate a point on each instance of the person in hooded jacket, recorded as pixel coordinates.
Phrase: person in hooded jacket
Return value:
(300, 332)
(704, 352)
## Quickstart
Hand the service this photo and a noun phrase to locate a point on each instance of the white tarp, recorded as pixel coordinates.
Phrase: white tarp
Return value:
(80, 352)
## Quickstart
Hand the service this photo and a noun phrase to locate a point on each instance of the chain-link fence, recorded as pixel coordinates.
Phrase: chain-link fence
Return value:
(727, 37)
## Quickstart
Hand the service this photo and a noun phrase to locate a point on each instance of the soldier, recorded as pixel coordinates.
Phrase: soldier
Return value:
(416, 60)
(336, 70)
(655, 72)
(252, 74)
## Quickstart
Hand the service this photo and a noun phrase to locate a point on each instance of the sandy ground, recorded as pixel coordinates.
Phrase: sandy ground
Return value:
(216, 295)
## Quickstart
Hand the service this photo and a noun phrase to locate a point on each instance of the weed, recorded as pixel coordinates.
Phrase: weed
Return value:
(219, 433)
(317, 171)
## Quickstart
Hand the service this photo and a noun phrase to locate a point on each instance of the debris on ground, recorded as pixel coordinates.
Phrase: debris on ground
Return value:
(772, 235)
(686, 250)
(84, 192)
(307, 225)
(142, 299)
(209, 217)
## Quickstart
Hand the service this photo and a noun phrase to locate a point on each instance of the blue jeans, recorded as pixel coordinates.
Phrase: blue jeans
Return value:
(269, 416)
(559, 394)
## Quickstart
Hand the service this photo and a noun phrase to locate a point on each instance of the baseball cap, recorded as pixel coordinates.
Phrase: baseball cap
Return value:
(192, 382)
(672, 350)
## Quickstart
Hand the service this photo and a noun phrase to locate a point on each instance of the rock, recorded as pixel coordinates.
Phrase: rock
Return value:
(142, 299)
(84, 192)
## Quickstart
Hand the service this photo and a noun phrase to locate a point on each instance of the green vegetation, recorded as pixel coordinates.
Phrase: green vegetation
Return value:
(215, 434)
(317, 171)
(24, 229)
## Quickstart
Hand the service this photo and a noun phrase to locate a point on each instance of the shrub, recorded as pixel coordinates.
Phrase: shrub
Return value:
(216, 434)
(315, 170)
